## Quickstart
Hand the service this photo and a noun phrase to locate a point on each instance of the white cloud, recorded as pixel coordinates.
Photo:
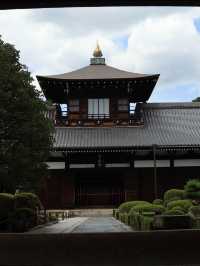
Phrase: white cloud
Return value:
(160, 40)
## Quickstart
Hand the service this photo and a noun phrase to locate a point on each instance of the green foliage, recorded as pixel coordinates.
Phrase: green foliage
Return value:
(52, 217)
(25, 132)
(126, 206)
(192, 185)
(196, 99)
(183, 204)
(172, 220)
(142, 221)
(23, 219)
(158, 202)
(27, 200)
(6, 205)
(135, 221)
(195, 210)
(173, 194)
(192, 189)
(175, 211)
(146, 222)
(158, 209)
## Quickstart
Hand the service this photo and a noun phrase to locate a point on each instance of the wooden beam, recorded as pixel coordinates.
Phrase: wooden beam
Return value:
(22, 4)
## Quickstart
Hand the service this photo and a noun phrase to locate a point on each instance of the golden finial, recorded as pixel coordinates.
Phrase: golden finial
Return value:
(97, 52)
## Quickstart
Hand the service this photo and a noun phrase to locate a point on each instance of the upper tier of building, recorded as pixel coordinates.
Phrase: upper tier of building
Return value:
(98, 80)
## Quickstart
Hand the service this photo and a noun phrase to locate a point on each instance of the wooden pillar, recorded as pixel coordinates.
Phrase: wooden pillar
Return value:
(155, 172)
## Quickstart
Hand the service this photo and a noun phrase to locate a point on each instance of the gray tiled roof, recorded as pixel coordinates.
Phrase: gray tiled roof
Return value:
(164, 124)
(98, 72)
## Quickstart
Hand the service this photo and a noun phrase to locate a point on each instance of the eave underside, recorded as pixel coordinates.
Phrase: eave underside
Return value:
(138, 89)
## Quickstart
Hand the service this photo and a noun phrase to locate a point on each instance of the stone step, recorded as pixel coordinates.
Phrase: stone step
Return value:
(91, 212)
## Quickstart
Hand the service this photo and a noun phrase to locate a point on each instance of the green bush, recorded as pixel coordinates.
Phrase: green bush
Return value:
(192, 185)
(146, 222)
(6, 205)
(183, 204)
(195, 210)
(52, 217)
(192, 189)
(158, 202)
(135, 220)
(27, 200)
(23, 219)
(117, 214)
(158, 209)
(174, 211)
(141, 222)
(173, 194)
(172, 221)
(126, 206)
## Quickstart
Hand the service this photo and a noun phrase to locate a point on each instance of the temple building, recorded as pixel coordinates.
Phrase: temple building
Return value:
(110, 144)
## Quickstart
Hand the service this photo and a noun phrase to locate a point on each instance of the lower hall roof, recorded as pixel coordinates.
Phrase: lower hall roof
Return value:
(165, 124)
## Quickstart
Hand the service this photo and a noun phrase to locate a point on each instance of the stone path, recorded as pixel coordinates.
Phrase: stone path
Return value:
(101, 225)
(84, 225)
(65, 226)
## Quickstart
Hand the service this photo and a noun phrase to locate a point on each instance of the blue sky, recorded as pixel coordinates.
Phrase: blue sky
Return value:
(146, 40)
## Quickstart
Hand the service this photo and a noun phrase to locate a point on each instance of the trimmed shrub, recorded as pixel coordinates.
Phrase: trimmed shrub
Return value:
(27, 200)
(126, 206)
(192, 185)
(135, 220)
(172, 222)
(195, 210)
(174, 211)
(6, 205)
(173, 194)
(122, 217)
(158, 202)
(141, 208)
(117, 214)
(192, 189)
(23, 219)
(183, 204)
(146, 222)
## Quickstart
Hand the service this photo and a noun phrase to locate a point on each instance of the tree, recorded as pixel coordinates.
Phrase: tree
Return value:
(25, 132)
(196, 99)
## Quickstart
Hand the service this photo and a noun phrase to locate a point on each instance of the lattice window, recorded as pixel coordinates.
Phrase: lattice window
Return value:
(123, 105)
(98, 108)
(74, 106)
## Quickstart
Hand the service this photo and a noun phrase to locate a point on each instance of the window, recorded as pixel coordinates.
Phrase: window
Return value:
(64, 110)
(74, 106)
(132, 108)
(123, 105)
(98, 108)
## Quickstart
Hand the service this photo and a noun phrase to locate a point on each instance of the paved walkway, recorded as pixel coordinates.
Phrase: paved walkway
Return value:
(101, 225)
(84, 225)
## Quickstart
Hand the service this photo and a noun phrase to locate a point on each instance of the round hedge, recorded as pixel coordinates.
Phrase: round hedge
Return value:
(6, 205)
(126, 206)
(158, 202)
(142, 208)
(174, 211)
(173, 194)
(195, 210)
(192, 189)
(27, 200)
(183, 204)
(192, 185)
(23, 219)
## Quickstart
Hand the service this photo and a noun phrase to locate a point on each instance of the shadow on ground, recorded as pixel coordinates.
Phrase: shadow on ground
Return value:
(163, 248)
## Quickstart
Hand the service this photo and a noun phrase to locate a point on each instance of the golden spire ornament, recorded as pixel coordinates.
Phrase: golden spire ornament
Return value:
(97, 52)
